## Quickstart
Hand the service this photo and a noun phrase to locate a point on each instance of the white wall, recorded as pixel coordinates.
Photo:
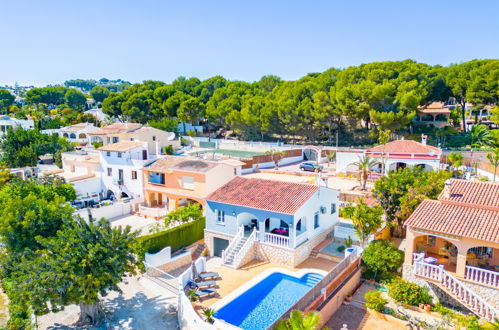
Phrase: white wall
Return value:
(343, 159)
(218, 176)
(108, 212)
(86, 188)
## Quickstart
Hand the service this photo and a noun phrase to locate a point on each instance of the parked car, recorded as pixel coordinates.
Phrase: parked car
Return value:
(310, 166)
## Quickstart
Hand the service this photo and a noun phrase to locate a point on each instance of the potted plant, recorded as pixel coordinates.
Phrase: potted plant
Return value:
(349, 296)
(427, 307)
(192, 295)
(348, 242)
(208, 313)
(421, 306)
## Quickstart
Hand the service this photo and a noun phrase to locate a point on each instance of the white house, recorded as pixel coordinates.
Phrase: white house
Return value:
(7, 122)
(78, 133)
(122, 165)
(275, 221)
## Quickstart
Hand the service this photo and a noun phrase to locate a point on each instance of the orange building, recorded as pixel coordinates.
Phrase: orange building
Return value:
(173, 182)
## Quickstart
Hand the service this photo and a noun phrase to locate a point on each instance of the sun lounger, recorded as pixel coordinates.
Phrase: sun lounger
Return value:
(193, 284)
(205, 292)
(204, 276)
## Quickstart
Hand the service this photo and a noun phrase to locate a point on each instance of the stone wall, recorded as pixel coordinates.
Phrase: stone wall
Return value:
(303, 251)
(487, 293)
(274, 254)
(181, 260)
(250, 255)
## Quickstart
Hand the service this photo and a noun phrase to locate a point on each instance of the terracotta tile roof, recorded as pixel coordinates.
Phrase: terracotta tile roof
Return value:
(75, 127)
(270, 195)
(434, 108)
(478, 193)
(456, 220)
(170, 163)
(117, 128)
(405, 147)
(121, 146)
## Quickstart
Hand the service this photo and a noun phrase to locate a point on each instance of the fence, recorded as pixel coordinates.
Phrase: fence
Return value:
(320, 288)
(162, 278)
(110, 211)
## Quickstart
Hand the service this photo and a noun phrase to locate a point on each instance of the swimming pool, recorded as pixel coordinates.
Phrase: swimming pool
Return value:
(259, 306)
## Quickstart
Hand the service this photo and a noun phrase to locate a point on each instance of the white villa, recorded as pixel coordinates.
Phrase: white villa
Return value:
(78, 133)
(280, 222)
(7, 122)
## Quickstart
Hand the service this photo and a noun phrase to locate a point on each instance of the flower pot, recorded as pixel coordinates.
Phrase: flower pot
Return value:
(348, 298)
(427, 308)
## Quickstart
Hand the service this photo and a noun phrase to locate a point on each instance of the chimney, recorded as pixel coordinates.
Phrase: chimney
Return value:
(446, 191)
(424, 138)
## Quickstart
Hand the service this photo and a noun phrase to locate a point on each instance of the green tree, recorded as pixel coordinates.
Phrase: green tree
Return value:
(300, 321)
(82, 263)
(366, 220)
(493, 158)
(456, 159)
(381, 257)
(6, 100)
(375, 301)
(99, 93)
(166, 124)
(364, 165)
(187, 213)
(383, 138)
(111, 105)
(75, 99)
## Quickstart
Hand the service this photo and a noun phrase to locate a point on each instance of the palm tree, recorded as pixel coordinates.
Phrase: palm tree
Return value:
(493, 158)
(364, 165)
(456, 160)
(209, 313)
(300, 321)
(480, 136)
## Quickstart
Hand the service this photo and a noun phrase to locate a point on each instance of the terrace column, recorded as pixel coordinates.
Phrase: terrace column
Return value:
(409, 246)
(261, 228)
(462, 252)
(292, 235)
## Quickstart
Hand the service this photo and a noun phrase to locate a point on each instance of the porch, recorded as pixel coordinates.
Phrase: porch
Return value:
(466, 259)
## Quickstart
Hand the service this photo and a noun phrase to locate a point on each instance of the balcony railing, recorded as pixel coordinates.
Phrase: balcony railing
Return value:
(155, 212)
(277, 240)
(484, 276)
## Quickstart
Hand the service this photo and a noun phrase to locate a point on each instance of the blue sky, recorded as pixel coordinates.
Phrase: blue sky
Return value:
(51, 41)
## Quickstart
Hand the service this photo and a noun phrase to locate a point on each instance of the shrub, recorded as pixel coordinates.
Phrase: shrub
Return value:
(348, 242)
(177, 237)
(382, 256)
(341, 248)
(408, 292)
(97, 145)
(184, 214)
(168, 150)
(374, 301)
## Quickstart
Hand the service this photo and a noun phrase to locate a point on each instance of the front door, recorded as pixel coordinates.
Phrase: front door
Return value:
(120, 176)
(160, 199)
(219, 245)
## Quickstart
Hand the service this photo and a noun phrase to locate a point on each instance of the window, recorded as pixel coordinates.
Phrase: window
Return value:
(333, 208)
(298, 226)
(109, 171)
(119, 154)
(316, 220)
(108, 153)
(132, 139)
(72, 168)
(154, 138)
(115, 139)
(220, 217)
(188, 182)
(134, 175)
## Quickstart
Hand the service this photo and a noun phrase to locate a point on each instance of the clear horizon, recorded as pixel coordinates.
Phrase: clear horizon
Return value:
(54, 41)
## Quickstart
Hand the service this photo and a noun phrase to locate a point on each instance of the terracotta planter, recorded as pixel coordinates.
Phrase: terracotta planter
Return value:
(348, 298)
(427, 308)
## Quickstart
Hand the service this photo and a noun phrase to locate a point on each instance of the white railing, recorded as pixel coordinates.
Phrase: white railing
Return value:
(244, 249)
(156, 212)
(456, 288)
(278, 240)
(233, 244)
(484, 276)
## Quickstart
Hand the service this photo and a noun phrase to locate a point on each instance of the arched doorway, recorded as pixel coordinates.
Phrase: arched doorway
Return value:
(186, 202)
(72, 136)
(437, 251)
(82, 136)
(312, 153)
(124, 195)
(248, 221)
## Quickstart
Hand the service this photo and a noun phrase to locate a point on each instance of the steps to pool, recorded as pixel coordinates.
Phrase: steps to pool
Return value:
(311, 279)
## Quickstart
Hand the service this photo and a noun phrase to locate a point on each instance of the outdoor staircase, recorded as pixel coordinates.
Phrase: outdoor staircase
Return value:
(196, 253)
(231, 256)
(455, 288)
(312, 279)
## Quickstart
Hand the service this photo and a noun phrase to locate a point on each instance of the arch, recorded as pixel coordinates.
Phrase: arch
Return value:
(124, 195)
(441, 117)
(395, 166)
(425, 167)
(277, 226)
(444, 251)
(312, 153)
(427, 117)
(65, 135)
(82, 136)
(110, 194)
(248, 220)
(186, 202)
(72, 136)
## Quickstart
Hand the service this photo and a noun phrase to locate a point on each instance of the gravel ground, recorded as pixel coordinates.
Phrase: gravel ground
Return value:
(142, 305)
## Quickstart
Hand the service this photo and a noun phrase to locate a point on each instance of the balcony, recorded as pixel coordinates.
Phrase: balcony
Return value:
(156, 212)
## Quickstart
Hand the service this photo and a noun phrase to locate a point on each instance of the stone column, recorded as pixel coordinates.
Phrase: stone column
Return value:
(462, 251)
(409, 246)
(292, 235)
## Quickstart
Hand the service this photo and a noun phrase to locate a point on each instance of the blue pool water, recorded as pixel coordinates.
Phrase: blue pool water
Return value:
(266, 301)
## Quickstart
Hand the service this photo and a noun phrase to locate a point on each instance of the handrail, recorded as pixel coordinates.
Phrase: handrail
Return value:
(457, 288)
(277, 240)
(233, 243)
(483, 276)
(244, 249)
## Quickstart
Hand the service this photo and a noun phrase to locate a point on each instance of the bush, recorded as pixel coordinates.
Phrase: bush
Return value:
(97, 145)
(382, 256)
(168, 150)
(374, 301)
(408, 292)
(177, 237)
(341, 248)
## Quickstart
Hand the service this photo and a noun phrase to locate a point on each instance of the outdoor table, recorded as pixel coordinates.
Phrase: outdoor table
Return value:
(430, 260)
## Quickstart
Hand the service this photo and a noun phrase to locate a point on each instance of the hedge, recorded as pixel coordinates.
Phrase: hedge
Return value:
(177, 237)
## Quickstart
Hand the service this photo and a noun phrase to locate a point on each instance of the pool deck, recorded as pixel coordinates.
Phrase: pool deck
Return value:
(231, 279)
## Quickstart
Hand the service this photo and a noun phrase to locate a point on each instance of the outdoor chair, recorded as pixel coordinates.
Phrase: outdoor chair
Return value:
(204, 276)
(194, 285)
(205, 292)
